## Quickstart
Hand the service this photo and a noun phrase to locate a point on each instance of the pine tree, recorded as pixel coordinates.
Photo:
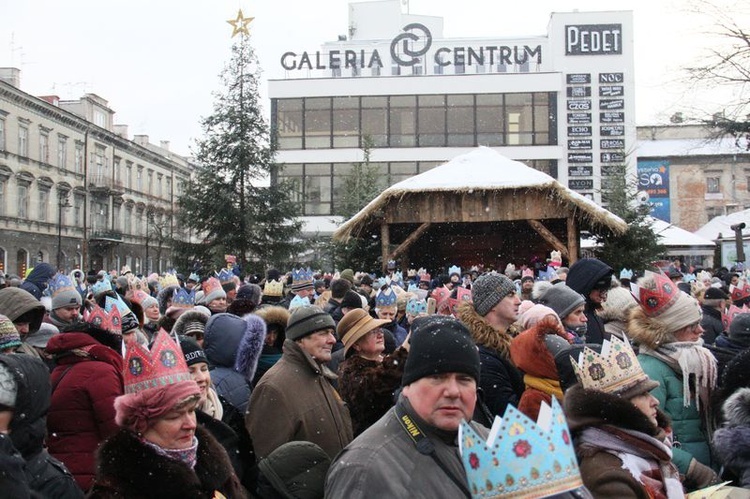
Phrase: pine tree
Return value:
(228, 203)
(639, 246)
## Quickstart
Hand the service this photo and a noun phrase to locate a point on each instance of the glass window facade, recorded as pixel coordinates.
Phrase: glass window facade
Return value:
(438, 120)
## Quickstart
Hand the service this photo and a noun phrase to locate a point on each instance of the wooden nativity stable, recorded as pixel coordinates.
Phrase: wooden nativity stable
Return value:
(480, 208)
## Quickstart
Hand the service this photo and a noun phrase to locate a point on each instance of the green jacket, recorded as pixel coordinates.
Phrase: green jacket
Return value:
(686, 421)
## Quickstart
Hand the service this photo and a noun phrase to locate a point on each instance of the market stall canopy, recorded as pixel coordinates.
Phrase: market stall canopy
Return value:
(480, 193)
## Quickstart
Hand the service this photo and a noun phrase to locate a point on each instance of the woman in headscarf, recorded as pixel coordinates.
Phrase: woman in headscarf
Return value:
(160, 451)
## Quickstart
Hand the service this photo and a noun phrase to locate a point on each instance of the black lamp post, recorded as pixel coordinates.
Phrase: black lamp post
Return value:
(62, 203)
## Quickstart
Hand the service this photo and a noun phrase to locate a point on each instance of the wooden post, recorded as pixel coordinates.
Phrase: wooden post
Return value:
(385, 243)
(403, 247)
(573, 238)
(549, 237)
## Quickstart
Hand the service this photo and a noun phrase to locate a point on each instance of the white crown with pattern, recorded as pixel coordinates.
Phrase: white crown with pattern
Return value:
(614, 370)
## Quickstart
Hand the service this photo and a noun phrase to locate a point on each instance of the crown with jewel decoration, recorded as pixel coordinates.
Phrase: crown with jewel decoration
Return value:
(273, 288)
(462, 295)
(59, 283)
(225, 276)
(182, 298)
(613, 371)
(727, 318)
(454, 269)
(302, 279)
(118, 303)
(210, 285)
(100, 287)
(386, 298)
(100, 318)
(416, 306)
(168, 280)
(139, 296)
(655, 301)
(164, 365)
(521, 458)
(135, 284)
(740, 291)
(398, 278)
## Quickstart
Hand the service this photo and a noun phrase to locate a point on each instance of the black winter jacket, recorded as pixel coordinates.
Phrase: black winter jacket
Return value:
(711, 324)
(582, 277)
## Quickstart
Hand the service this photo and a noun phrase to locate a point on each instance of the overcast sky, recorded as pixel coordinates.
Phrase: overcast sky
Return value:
(157, 62)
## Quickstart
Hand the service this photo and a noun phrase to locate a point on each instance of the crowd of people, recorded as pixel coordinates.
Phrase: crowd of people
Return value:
(536, 381)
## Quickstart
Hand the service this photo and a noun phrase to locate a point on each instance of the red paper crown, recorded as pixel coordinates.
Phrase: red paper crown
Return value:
(726, 319)
(655, 301)
(212, 284)
(139, 296)
(527, 273)
(111, 321)
(741, 291)
(164, 365)
(462, 295)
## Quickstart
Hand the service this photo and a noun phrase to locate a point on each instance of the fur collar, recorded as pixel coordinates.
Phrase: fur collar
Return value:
(586, 408)
(482, 332)
(736, 409)
(647, 331)
(132, 469)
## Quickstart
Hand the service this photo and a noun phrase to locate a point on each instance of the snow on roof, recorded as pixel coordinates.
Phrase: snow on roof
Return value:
(480, 169)
(322, 225)
(720, 225)
(687, 147)
(671, 235)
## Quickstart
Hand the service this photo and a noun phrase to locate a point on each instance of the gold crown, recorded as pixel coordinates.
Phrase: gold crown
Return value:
(168, 280)
(614, 370)
(273, 288)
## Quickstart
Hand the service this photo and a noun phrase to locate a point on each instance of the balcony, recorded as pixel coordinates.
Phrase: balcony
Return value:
(104, 184)
(112, 236)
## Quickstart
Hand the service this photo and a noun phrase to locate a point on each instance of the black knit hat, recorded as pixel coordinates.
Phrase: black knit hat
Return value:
(351, 300)
(739, 329)
(306, 320)
(713, 297)
(193, 353)
(440, 344)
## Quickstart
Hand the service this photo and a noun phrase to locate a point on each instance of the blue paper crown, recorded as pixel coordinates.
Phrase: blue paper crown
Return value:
(225, 275)
(415, 306)
(302, 275)
(110, 302)
(194, 277)
(453, 269)
(385, 298)
(182, 298)
(626, 274)
(688, 278)
(398, 278)
(521, 458)
(412, 288)
(391, 264)
(60, 282)
(101, 286)
(298, 301)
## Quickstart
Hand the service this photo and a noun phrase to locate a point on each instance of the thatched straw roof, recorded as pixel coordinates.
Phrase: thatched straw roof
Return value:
(481, 170)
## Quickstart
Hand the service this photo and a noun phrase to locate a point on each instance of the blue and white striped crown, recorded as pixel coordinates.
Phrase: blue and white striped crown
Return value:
(385, 298)
(521, 458)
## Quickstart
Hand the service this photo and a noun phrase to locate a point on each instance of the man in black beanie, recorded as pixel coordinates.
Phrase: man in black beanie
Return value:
(414, 445)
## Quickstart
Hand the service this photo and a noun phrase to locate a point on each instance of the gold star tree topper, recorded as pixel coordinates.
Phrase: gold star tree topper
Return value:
(239, 25)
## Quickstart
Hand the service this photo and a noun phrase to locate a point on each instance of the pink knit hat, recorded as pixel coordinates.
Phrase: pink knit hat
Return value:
(534, 314)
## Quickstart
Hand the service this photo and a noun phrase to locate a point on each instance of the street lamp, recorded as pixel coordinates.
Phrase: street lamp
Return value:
(62, 203)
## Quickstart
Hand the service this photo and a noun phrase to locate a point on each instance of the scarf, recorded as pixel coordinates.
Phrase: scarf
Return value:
(697, 366)
(188, 456)
(646, 458)
(212, 406)
(545, 385)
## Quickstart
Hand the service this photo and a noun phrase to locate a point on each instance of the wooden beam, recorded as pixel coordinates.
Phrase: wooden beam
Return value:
(385, 242)
(573, 238)
(549, 237)
(409, 240)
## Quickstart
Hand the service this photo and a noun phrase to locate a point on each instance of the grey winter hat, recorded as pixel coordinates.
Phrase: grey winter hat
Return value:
(66, 298)
(297, 470)
(739, 329)
(562, 299)
(488, 290)
(307, 320)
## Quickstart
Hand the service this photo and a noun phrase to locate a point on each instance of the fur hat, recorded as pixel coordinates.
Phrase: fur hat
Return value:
(276, 318)
(164, 296)
(488, 290)
(248, 352)
(736, 408)
(191, 323)
(562, 299)
(307, 320)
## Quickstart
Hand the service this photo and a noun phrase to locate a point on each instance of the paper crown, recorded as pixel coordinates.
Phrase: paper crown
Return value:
(225, 275)
(454, 269)
(273, 288)
(298, 301)
(739, 291)
(521, 458)
(727, 318)
(688, 278)
(462, 295)
(125, 269)
(626, 274)
(210, 285)
(421, 271)
(415, 306)
(425, 277)
(230, 259)
(164, 365)
(704, 277)
(98, 317)
(412, 288)
(398, 278)
(527, 273)
(555, 258)
(100, 287)
(655, 301)
(509, 269)
(194, 277)
(391, 265)
(118, 303)
(139, 296)
(385, 298)
(60, 283)
(411, 273)
(168, 280)
(182, 298)
(136, 284)
(615, 370)
(302, 279)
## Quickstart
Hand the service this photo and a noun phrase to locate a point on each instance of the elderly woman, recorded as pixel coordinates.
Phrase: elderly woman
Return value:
(160, 451)
(666, 324)
(367, 379)
(621, 438)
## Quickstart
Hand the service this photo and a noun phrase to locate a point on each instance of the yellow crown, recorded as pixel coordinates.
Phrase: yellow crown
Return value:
(273, 288)
(614, 370)
(168, 280)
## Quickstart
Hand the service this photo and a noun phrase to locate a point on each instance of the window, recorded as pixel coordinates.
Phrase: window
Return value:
(318, 123)
(78, 210)
(62, 152)
(375, 120)
(169, 187)
(100, 165)
(23, 200)
(159, 180)
(346, 122)
(116, 170)
(43, 147)
(43, 204)
(289, 123)
(2, 133)
(79, 158)
(519, 114)
(127, 223)
(129, 174)
(490, 120)
(713, 186)
(100, 119)
(431, 120)
(318, 189)
(23, 141)
(116, 218)
(461, 120)
(402, 121)
(3, 183)
(150, 182)
(139, 179)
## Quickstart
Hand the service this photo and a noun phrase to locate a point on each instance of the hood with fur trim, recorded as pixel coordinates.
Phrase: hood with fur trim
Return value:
(250, 347)
(529, 352)
(482, 332)
(164, 296)
(736, 408)
(646, 331)
(276, 320)
(188, 316)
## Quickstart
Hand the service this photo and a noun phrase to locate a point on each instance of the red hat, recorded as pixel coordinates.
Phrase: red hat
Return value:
(740, 291)
(655, 301)
(111, 321)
